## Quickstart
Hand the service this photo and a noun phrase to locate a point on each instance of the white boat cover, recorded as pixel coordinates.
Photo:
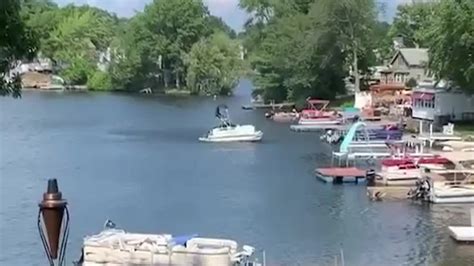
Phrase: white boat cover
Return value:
(117, 247)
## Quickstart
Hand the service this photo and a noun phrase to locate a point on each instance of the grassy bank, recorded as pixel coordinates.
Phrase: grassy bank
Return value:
(177, 92)
(465, 129)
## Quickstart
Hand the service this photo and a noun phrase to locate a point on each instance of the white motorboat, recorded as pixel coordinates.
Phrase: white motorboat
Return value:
(117, 247)
(232, 133)
(228, 132)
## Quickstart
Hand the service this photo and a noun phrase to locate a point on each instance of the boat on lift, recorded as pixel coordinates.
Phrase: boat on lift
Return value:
(383, 132)
(316, 114)
(228, 132)
(448, 185)
(406, 171)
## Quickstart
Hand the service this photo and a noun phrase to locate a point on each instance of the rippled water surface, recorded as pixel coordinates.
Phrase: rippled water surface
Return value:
(136, 160)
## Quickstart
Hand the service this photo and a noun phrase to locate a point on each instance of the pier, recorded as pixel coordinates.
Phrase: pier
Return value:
(340, 175)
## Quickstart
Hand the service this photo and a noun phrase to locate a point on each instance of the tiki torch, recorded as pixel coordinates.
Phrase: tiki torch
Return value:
(53, 223)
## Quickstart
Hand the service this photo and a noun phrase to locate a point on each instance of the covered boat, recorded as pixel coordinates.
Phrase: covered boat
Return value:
(228, 132)
(283, 116)
(117, 247)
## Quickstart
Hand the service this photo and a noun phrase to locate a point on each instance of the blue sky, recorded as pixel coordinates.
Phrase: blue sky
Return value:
(227, 9)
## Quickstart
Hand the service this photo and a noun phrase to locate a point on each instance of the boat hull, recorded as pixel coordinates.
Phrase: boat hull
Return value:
(116, 247)
(308, 121)
(447, 200)
(241, 138)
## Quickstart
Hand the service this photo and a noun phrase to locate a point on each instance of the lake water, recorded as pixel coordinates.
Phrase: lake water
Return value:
(136, 160)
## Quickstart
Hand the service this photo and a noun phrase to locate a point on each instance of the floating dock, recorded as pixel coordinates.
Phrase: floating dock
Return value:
(340, 175)
(463, 233)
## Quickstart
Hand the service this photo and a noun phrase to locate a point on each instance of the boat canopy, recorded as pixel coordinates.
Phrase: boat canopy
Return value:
(222, 112)
(315, 103)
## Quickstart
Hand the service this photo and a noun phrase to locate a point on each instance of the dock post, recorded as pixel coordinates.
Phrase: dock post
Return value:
(342, 258)
(472, 217)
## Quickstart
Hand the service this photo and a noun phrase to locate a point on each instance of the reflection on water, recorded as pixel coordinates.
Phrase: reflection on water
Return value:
(136, 160)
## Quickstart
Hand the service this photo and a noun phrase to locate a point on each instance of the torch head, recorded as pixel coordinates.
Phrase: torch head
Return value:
(52, 209)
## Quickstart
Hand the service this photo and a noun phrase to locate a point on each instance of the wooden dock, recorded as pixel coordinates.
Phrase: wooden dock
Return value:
(253, 106)
(340, 127)
(380, 193)
(463, 233)
(340, 175)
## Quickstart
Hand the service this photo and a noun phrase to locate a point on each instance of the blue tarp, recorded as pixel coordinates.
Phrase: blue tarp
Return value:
(181, 240)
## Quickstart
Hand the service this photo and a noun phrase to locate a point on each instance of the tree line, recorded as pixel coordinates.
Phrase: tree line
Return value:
(170, 44)
(295, 48)
(302, 48)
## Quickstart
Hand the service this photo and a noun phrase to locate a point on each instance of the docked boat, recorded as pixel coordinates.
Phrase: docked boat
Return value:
(117, 247)
(228, 132)
(407, 171)
(283, 116)
(381, 133)
(448, 185)
(316, 114)
(443, 191)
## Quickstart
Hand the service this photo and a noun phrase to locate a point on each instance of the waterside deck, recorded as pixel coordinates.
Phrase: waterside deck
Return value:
(253, 106)
(343, 127)
(340, 175)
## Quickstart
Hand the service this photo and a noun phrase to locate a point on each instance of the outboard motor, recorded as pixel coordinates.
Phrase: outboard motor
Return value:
(370, 177)
(422, 190)
(269, 114)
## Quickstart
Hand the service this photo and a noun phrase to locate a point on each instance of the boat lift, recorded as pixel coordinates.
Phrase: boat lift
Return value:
(348, 148)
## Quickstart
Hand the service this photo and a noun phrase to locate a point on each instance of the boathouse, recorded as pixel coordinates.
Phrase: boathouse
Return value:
(441, 103)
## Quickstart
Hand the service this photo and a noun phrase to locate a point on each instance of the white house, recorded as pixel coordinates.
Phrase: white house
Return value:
(441, 103)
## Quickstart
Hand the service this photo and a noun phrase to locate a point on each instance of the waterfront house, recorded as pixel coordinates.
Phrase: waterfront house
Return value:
(441, 103)
(406, 64)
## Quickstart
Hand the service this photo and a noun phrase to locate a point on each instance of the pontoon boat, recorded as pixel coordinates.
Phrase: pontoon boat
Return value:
(316, 114)
(117, 247)
(228, 132)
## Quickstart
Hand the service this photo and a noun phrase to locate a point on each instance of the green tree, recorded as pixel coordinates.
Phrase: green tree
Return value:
(176, 26)
(451, 42)
(353, 22)
(99, 80)
(16, 42)
(412, 22)
(216, 24)
(213, 65)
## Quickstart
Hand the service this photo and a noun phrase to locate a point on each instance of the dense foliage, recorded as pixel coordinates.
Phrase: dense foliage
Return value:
(91, 46)
(446, 28)
(16, 43)
(213, 65)
(295, 48)
(301, 48)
